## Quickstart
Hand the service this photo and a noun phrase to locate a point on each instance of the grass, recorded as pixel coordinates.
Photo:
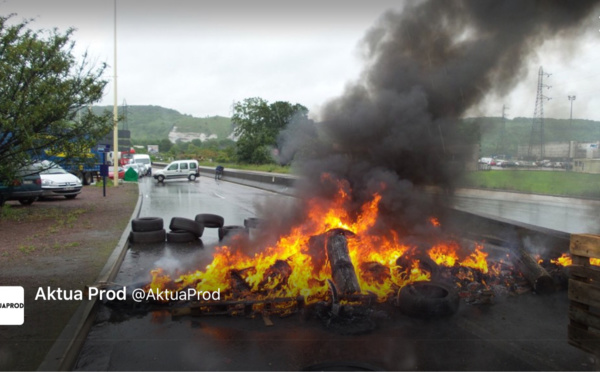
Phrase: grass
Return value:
(27, 248)
(27, 214)
(537, 182)
(271, 168)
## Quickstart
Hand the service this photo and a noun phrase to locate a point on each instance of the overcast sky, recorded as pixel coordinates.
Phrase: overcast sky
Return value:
(198, 57)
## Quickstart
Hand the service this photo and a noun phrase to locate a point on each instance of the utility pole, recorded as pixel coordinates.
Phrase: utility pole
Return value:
(537, 125)
(571, 99)
(115, 114)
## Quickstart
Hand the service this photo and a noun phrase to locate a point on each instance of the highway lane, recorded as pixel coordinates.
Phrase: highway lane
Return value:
(527, 332)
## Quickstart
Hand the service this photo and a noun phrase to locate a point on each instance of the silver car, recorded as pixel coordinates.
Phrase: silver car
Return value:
(57, 181)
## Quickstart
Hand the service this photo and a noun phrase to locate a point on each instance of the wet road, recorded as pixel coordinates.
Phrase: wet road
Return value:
(525, 332)
(575, 216)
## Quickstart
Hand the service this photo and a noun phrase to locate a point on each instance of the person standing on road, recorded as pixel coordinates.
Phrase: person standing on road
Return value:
(219, 172)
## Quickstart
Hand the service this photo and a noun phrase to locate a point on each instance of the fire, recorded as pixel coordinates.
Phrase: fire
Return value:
(566, 260)
(444, 254)
(477, 260)
(296, 265)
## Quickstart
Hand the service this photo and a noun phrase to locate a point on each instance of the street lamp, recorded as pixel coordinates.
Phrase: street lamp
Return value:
(571, 150)
(571, 99)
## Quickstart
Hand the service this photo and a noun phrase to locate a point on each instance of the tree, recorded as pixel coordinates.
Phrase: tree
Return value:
(164, 145)
(257, 124)
(45, 94)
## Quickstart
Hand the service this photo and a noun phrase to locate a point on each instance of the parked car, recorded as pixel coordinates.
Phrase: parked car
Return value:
(26, 187)
(111, 171)
(179, 169)
(58, 182)
(507, 164)
(143, 160)
(138, 168)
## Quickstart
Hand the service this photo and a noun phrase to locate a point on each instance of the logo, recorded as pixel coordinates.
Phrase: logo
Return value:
(12, 305)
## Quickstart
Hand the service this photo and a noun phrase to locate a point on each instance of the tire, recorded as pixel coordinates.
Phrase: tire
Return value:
(87, 178)
(192, 177)
(28, 201)
(210, 220)
(253, 222)
(160, 179)
(425, 263)
(232, 230)
(180, 236)
(185, 224)
(71, 196)
(146, 224)
(147, 236)
(428, 300)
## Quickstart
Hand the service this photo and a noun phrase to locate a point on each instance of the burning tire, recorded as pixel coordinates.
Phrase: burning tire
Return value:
(425, 263)
(147, 224)
(181, 236)
(185, 224)
(147, 236)
(428, 300)
(253, 222)
(210, 220)
(232, 230)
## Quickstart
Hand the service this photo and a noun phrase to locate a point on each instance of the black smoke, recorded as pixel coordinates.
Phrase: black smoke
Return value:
(397, 129)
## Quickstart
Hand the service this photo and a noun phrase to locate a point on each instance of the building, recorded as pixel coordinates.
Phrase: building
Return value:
(586, 165)
(562, 151)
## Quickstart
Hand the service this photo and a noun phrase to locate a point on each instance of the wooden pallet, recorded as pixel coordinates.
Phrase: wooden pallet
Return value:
(584, 294)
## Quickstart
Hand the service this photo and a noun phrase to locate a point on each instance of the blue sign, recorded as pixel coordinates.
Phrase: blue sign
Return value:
(103, 170)
(103, 148)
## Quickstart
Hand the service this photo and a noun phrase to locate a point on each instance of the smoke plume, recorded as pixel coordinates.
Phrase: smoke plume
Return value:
(396, 129)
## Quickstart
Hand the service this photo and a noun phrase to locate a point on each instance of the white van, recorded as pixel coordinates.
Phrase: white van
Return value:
(143, 160)
(179, 169)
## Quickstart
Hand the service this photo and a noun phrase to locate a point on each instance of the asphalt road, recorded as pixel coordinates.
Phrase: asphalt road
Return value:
(525, 332)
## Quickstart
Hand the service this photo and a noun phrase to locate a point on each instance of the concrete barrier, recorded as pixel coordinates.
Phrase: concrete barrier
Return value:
(507, 233)
(278, 182)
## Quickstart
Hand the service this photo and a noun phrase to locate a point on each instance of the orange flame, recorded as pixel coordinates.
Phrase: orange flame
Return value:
(291, 268)
(564, 260)
(477, 260)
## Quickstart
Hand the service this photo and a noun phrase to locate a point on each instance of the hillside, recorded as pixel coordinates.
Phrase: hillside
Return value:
(155, 123)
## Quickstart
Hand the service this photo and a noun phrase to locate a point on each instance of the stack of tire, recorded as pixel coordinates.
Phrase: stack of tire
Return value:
(184, 230)
(218, 222)
(147, 230)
